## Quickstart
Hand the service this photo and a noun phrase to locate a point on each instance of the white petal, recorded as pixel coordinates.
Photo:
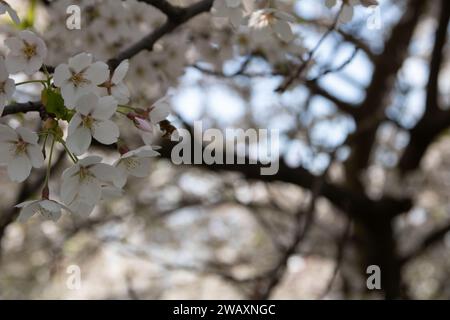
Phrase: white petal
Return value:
(36, 156)
(7, 133)
(19, 168)
(104, 172)
(283, 30)
(98, 73)
(27, 135)
(159, 113)
(121, 93)
(90, 191)
(9, 88)
(33, 65)
(105, 109)
(74, 123)
(61, 75)
(122, 175)
(14, 44)
(50, 205)
(80, 62)
(120, 72)
(6, 154)
(111, 192)
(15, 64)
(87, 103)
(140, 167)
(25, 203)
(90, 160)
(146, 151)
(105, 131)
(69, 95)
(28, 211)
(69, 189)
(79, 141)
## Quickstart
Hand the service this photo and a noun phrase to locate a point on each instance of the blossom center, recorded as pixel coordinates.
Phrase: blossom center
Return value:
(84, 173)
(29, 50)
(78, 79)
(266, 19)
(21, 147)
(131, 163)
(88, 121)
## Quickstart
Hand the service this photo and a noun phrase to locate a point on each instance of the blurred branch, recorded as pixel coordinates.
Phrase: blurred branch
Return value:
(435, 120)
(304, 65)
(387, 65)
(430, 240)
(22, 108)
(173, 22)
(339, 258)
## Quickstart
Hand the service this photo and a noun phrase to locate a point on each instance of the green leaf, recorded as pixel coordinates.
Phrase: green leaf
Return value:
(54, 104)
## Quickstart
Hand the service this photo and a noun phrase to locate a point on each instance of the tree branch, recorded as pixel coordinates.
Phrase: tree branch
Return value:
(172, 23)
(22, 108)
(434, 120)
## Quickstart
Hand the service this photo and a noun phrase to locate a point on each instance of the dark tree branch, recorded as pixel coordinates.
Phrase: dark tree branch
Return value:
(22, 108)
(172, 23)
(434, 120)
(387, 66)
(430, 240)
(172, 12)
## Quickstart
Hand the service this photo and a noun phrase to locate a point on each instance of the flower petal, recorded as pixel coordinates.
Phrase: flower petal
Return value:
(27, 135)
(7, 133)
(120, 72)
(97, 73)
(87, 103)
(19, 168)
(105, 109)
(80, 62)
(105, 131)
(61, 75)
(79, 141)
(35, 155)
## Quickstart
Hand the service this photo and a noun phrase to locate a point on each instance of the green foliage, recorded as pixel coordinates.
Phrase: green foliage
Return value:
(54, 104)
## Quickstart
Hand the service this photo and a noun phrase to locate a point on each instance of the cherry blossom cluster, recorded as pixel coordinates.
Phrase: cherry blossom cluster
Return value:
(264, 19)
(88, 97)
(83, 100)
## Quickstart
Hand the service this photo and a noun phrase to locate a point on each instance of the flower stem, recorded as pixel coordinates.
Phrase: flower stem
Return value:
(127, 107)
(31, 81)
(71, 155)
(121, 112)
(49, 166)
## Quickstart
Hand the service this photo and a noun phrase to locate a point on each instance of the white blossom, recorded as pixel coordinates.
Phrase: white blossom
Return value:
(79, 77)
(348, 7)
(92, 119)
(48, 209)
(26, 53)
(159, 111)
(6, 8)
(19, 151)
(82, 183)
(7, 86)
(231, 9)
(265, 22)
(115, 85)
(135, 163)
(147, 123)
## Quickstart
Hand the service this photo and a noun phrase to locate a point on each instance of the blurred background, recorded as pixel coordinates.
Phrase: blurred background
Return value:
(364, 171)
